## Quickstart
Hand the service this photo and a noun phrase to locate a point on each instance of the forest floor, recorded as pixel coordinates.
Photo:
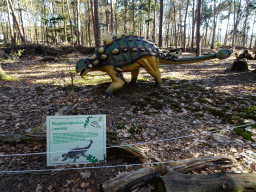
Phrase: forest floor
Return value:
(197, 108)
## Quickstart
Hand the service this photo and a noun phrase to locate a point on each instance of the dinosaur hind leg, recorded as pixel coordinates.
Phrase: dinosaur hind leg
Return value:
(134, 76)
(151, 64)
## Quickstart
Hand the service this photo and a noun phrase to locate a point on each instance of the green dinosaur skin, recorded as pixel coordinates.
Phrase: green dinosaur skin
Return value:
(128, 54)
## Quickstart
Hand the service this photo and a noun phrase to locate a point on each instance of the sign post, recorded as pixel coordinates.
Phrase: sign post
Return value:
(76, 139)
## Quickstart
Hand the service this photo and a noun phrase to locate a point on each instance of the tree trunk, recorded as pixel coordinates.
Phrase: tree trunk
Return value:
(245, 22)
(198, 39)
(125, 16)
(160, 41)
(236, 21)
(111, 17)
(70, 23)
(193, 25)
(175, 26)
(17, 22)
(154, 24)
(226, 34)
(116, 15)
(185, 23)
(9, 19)
(149, 1)
(252, 31)
(97, 24)
(65, 22)
(133, 17)
(78, 33)
(214, 24)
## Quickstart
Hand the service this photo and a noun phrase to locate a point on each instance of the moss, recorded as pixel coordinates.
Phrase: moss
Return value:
(157, 105)
(245, 134)
(135, 130)
(112, 138)
(142, 79)
(139, 106)
(199, 115)
(215, 112)
(120, 125)
(206, 144)
(39, 90)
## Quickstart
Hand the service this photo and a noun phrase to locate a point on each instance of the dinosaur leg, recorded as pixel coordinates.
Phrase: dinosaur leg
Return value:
(151, 64)
(117, 78)
(134, 77)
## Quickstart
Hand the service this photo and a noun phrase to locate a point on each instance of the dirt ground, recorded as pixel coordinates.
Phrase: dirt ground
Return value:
(194, 100)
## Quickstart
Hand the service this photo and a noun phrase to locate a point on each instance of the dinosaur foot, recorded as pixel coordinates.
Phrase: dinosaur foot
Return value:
(107, 95)
(131, 84)
(157, 86)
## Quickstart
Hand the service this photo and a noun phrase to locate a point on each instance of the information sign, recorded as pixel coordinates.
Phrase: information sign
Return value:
(76, 139)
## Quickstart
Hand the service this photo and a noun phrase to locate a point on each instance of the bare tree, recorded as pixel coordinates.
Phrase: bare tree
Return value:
(199, 12)
(185, 23)
(97, 24)
(214, 24)
(160, 41)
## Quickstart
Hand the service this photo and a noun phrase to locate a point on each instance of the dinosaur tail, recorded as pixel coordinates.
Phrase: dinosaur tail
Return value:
(221, 54)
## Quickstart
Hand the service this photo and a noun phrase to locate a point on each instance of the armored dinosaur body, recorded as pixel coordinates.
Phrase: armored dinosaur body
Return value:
(127, 53)
(76, 152)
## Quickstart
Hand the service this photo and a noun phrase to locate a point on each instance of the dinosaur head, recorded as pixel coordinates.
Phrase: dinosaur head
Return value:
(83, 66)
(223, 53)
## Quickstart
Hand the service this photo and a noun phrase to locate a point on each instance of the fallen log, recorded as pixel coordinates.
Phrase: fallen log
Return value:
(166, 178)
(175, 181)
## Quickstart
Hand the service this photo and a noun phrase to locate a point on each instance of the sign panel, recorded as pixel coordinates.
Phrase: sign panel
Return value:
(76, 139)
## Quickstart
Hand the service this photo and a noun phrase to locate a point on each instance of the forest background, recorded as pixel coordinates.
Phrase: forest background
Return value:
(168, 23)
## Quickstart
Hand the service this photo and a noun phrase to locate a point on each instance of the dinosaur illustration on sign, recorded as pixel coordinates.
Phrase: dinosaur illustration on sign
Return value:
(76, 152)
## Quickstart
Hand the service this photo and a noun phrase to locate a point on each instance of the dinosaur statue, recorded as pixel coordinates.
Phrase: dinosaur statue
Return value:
(127, 53)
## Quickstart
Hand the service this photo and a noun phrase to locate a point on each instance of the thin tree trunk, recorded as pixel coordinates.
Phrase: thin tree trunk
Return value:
(78, 42)
(236, 21)
(16, 22)
(116, 13)
(245, 22)
(198, 47)
(97, 24)
(175, 26)
(252, 30)
(70, 23)
(9, 19)
(111, 17)
(193, 25)
(154, 24)
(125, 16)
(149, 1)
(65, 23)
(185, 23)
(226, 34)
(160, 41)
(214, 24)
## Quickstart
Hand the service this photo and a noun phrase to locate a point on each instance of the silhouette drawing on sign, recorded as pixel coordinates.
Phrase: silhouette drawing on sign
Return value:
(76, 152)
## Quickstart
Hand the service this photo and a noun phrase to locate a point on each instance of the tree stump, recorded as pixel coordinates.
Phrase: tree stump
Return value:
(239, 65)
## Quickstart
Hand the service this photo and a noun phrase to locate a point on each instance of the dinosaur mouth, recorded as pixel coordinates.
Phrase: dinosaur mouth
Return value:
(84, 71)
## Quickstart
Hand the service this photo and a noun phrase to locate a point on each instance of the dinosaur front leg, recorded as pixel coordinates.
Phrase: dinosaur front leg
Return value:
(117, 78)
